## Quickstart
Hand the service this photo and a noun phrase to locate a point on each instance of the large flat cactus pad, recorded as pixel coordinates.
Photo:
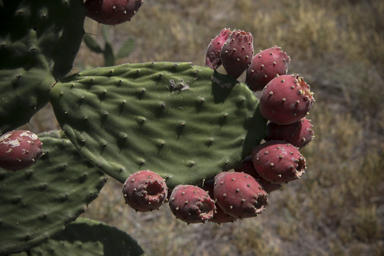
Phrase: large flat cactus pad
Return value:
(185, 122)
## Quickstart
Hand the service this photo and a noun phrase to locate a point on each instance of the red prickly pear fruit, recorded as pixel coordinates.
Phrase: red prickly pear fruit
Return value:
(19, 150)
(248, 168)
(111, 12)
(299, 134)
(286, 99)
(278, 161)
(237, 53)
(191, 204)
(265, 66)
(145, 191)
(212, 59)
(220, 216)
(239, 194)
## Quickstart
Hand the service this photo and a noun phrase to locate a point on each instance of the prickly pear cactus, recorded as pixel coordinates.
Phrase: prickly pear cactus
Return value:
(63, 248)
(184, 122)
(38, 43)
(86, 237)
(37, 203)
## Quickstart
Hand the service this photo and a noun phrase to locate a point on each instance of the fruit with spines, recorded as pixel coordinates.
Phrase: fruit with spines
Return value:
(286, 99)
(19, 150)
(111, 12)
(278, 161)
(299, 133)
(265, 66)
(213, 59)
(239, 194)
(237, 53)
(220, 216)
(249, 168)
(145, 191)
(191, 204)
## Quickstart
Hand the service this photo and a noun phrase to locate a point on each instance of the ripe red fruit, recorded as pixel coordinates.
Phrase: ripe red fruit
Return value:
(191, 204)
(111, 12)
(220, 216)
(19, 150)
(214, 49)
(278, 161)
(286, 99)
(299, 133)
(145, 191)
(265, 66)
(249, 168)
(237, 53)
(239, 194)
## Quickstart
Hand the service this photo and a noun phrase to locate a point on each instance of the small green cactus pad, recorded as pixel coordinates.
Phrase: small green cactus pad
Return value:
(184, 122)
(39, 41)
(37, 203)
(86, 237)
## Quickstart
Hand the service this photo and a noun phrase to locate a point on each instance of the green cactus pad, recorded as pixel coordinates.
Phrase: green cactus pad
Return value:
(39, 41)
(37, 203)
(86, 237)
(22, 94)
(64, 248)
(184, 122)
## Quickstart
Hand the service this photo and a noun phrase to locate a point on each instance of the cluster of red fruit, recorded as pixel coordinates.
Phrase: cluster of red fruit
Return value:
(285, 101)
(230, 196)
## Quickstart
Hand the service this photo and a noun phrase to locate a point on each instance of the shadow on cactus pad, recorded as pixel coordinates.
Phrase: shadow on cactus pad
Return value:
(86, 237)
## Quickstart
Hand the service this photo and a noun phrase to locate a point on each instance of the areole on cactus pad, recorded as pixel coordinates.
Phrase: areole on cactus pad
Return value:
(186, 123)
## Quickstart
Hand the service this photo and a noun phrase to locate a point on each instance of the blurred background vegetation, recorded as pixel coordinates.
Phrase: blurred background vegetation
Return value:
(337, 207)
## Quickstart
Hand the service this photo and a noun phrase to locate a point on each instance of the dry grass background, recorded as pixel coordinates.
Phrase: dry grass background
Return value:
(337, 207)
